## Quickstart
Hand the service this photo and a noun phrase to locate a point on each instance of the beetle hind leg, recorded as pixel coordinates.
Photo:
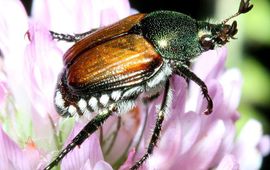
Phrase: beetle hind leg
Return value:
(157, 129)
(88, 129)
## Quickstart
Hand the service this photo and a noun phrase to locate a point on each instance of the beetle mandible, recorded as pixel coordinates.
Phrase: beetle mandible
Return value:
(108, 68)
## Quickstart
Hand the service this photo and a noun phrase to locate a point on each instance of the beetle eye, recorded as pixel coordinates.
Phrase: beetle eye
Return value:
(207, 42)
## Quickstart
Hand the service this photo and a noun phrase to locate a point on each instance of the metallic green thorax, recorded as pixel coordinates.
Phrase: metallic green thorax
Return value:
(174, 34)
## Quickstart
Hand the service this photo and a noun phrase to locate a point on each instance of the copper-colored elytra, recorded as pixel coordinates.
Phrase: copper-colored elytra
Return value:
(100, 35)
(123, 61)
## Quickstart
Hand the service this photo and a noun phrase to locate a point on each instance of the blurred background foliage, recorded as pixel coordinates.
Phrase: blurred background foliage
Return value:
(250, 52)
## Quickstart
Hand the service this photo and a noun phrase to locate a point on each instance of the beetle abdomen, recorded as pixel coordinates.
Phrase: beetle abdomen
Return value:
(68, 103)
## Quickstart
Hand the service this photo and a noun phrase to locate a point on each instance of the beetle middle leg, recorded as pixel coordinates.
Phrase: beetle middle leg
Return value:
(146, 100)
(183, 70)
(69, 37)
(157, 129)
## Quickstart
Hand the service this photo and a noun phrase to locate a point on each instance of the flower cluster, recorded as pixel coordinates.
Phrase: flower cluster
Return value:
(32, 133)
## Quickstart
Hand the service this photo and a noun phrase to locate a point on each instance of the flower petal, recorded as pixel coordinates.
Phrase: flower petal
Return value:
(209, 143)
(43, 62)
(231, 81)
(190, 125)
(3, 87)
(102, 165)
(228, 163)
(129, 161)
(13, 26)
(211, 63)
(245, 148)
(264, 145)
(82, 14)
(11, 156)
(227, 143)
(251, 133)
(179, 88)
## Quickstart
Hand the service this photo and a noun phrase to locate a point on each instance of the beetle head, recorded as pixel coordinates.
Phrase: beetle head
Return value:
(211, 35)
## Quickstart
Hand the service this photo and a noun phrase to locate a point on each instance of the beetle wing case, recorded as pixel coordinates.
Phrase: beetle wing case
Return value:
(123, 61)
(101, 35)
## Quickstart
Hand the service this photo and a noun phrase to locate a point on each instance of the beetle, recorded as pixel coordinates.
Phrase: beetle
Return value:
(108, 68)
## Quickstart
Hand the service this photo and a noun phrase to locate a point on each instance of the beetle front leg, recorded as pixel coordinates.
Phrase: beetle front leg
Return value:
(184, 71)
(69, 37)
(157, 129)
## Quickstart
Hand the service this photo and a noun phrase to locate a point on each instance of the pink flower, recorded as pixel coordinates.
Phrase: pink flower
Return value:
(191, 140)
(32, 133)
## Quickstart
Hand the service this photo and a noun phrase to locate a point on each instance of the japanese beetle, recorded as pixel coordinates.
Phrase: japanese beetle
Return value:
(108, 68)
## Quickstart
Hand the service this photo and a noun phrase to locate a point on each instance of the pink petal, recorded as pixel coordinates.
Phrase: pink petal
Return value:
(228, 163)
(53, 14)
(31, 154)
(264, 145)
(245, 148)
(209, 143)
(43, 62)
(179, 88)
(129, 161)
(108, 17)
(3, 88)
(211, 63)
(11, 156)
(227, 143)
(102, 165)
(82, 15)
(13, 26)
(251, 133)
(231, 81)
(190, 125)
(113, 10)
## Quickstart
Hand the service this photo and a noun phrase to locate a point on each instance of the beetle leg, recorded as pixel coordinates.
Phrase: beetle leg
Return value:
(184, 71)
(69, 37)
(88, 129)
(157, 129)
(146, 100)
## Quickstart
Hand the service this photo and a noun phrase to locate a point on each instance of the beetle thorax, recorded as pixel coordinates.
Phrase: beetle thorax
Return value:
(169, 32)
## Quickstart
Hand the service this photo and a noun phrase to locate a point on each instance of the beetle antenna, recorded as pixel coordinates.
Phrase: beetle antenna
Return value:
(244, 7)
